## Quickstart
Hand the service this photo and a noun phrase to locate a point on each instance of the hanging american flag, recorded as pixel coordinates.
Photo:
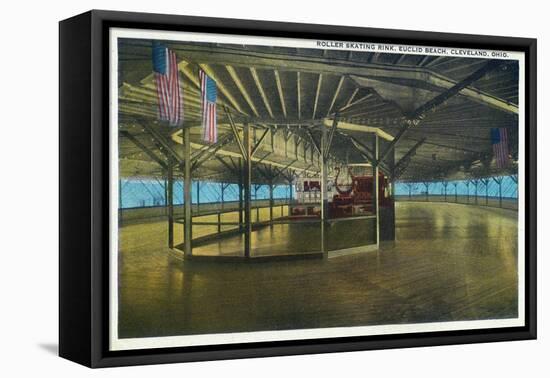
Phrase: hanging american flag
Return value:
(499, 140)
(165, 68)
(209, 93)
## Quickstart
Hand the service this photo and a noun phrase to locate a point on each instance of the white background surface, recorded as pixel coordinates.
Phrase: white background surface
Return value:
(29, 188)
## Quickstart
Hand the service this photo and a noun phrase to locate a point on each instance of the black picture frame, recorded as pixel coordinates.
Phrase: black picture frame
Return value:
(84, 193)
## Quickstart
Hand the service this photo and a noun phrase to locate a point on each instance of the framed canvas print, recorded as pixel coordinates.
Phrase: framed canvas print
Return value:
(234, 188)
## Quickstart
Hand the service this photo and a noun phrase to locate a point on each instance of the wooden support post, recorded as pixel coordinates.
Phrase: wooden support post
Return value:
(271, 204)
(500, 192)
(170, 193)
(221, 195)
(219, 222)
(476, 183)
(375, 199)
(247, 184)
(427, 184)
(324, 198)
(187, 210)
(445, 183)
(198, 196)
(487, 192)
(241, 198)
(165, 197)
(120, 203)
(456, 192)
(468, 192)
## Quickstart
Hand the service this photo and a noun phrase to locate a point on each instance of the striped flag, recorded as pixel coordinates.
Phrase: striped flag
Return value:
(209, 93)
(170, 98)
(499, 140)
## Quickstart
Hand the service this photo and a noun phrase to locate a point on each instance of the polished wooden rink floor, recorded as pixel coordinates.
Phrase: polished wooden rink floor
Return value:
(449, 262)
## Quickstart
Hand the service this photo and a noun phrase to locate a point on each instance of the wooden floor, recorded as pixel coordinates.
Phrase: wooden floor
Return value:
(291, 239)
(449, 262)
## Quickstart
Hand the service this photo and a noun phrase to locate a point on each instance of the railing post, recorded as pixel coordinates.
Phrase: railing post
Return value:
(487, 192)
(500, 192)
(456, 192)
(427, 191)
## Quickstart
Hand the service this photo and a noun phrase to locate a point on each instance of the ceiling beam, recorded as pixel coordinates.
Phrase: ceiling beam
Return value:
(237, 136)
(361, 128)
(259, 143)
(223, 89)
(280, 90)
(330, 136)
(432, 104)
(163, 142)
(401, 165)
(210, 152)
(261, 90)
(336, 93)
(335, 66)
(241, 88)
(355, 102)
(144, 148)
(317, 92)
(185, 68)
(314, 142)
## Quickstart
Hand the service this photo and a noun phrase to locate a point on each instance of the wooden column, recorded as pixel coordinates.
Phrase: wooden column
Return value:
(486, 181)
(198, 196)
(289, 191)
(247, 173)
(120, 203)
(500, 192)
(166, 196)
(375, 199)
(241, 198)
(427, 184)
(222, 199)
(187, 211)
(324, 197)
(257, 203)
(271, 202)
(170, 198)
